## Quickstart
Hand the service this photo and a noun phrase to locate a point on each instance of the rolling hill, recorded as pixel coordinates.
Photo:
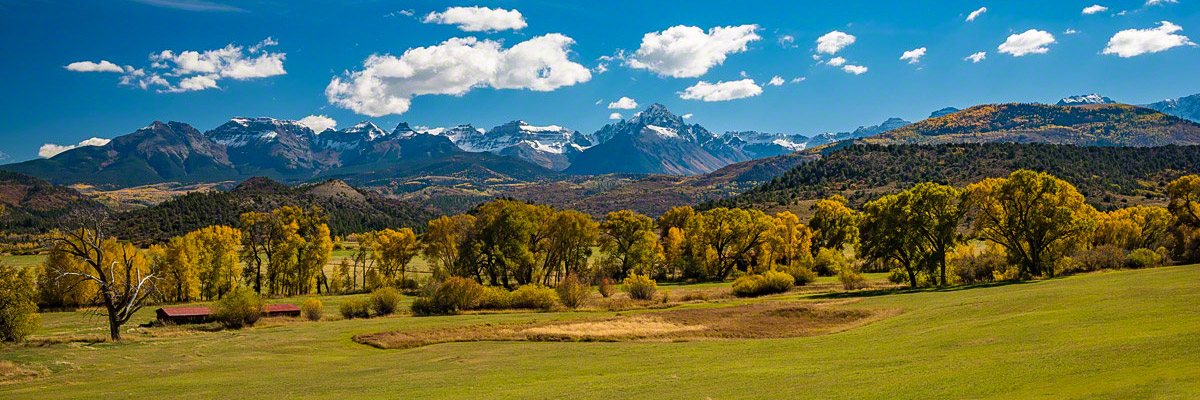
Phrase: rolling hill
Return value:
(349, 209)
(1082, 125)
(32, 205)
(1108, 176)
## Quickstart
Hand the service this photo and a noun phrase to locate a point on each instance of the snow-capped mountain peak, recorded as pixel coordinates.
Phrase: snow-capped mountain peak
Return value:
(366, 129)
(1085, 99)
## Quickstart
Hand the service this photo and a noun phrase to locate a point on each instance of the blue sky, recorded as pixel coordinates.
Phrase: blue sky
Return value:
(543, 65)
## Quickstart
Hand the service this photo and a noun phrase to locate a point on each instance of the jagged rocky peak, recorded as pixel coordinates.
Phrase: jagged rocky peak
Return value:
(1085, 99)
(242, 131)
(657, 114)
(402, 129)
(366, 129)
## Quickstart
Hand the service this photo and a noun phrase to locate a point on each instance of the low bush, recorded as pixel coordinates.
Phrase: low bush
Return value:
(640, 287)
(850, 278)
(606, 287)
(385, 301)
(828, 262)
(239, 308)
(898, 276)
(355, 308)
(572, 293)
(970, 268)
(457, 294)
(534, 296)
(1097, 258)
(802, 275)
(769, 282)
(312, 309)
(694, 296)
(1143, 258)
(495, 298)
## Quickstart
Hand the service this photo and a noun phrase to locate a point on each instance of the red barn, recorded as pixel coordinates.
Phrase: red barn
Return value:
(192, 315)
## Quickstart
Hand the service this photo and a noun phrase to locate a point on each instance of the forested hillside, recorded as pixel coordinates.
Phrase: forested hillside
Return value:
(31, 205)
(349, 209)
(1107, 176)
(1088, 125)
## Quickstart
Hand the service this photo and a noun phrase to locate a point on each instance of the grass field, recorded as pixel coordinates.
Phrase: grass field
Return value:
(1118, 335)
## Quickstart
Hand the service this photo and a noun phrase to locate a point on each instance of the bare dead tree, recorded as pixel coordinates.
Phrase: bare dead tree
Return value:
(123, 288)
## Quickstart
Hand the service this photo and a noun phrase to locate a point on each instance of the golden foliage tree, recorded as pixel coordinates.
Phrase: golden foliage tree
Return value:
(1036, 217)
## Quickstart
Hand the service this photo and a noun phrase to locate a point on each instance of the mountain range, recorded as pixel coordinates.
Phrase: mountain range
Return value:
(648, 162)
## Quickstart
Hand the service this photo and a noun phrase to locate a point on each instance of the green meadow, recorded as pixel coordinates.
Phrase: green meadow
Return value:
(1131, 334)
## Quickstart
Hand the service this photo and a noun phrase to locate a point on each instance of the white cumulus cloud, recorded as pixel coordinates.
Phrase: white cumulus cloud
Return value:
(721, 91)
(687, 116)
(615, 116)
(386, 84)
(50, 149)
(478, 19)
(1135, 42)
(88, 66)
(189, 70)
(833, 42)
(855, 69)
(624, 103)
(1159, 2)
(799, 79)
(318, 123)
(977, 57)
(1031, 41)
(913, 56)
(976, 14)
(836, 61)
(775, 81)
(688, 51)
(1093, 9)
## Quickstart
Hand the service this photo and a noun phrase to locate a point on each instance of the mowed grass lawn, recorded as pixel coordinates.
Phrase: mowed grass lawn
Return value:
(1118, 335)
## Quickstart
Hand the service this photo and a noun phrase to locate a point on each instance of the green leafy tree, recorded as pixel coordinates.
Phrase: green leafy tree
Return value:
(835, 225)
(623, 241)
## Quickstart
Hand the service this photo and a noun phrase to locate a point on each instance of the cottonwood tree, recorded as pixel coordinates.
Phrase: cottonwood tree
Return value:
(624, 241)
(915, 228)
(1184, 195)
(733, 235)
(216, 259)
(1137, 227)
(835, 225)
(119, 270)
(566, 244)
(937, 211)
(392, 251)
(1036, 217)
(791, 241)
(502, 246)
(443, 244)
(888, 234)
(260, 231)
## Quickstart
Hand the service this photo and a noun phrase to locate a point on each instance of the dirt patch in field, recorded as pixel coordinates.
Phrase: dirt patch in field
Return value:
(750, 321)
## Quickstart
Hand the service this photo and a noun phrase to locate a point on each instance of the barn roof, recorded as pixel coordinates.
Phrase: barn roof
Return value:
(274, 308)
(185, 311)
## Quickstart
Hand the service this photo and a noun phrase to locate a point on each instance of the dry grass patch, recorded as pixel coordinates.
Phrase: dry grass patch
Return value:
(11, 372)
(761, 320)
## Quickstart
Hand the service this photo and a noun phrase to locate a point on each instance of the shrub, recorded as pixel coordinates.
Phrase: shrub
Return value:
(850, 278)
(640, 287)
(572, 293)
(355, 308)
(969, 267)
(385, 301)
(898, 276)
(1098, 258)
(828, 262)
(694, 296)
(18, 312)
(240, 307)
(606, 287)
(457, 294)
(1143, 258)
(535, 297)
(758, 285)
(423, 306)
(312, 309)
(802, 276)
(495, 298)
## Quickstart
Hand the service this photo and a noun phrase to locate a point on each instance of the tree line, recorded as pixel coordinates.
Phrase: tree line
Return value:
(1037, 225)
